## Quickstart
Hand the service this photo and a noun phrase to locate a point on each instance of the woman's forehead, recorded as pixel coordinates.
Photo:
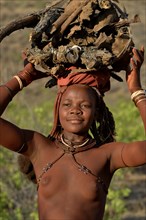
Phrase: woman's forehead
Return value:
(78, 90)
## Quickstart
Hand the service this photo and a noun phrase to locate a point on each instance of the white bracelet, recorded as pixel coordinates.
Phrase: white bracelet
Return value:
(19, 81)
(136, 93)
(140, 101)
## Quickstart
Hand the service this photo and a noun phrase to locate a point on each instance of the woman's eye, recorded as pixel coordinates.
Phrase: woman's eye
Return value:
(86, 106)
(66, 104)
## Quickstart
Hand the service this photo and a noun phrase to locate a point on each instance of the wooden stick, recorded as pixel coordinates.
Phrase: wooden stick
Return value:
(28, 21)
(73, 16)
(71, 11)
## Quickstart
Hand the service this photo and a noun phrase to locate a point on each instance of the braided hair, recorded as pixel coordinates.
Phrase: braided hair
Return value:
(103, 128)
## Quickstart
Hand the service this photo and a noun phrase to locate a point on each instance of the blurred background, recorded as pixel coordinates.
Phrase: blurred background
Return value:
(33, 109)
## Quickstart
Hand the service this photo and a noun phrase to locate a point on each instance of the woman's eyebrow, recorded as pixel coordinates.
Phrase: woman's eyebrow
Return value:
(67, 99)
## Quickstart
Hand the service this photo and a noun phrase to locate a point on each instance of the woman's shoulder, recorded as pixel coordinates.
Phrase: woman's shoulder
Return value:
(40, 139)
(112, 147)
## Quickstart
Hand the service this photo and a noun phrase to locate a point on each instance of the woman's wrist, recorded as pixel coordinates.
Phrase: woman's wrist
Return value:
(25, 77)
(13, 86)
(138, 96)
(19, 81)
(134, 89)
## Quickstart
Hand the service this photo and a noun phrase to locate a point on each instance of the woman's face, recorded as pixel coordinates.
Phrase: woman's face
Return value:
(77, 109)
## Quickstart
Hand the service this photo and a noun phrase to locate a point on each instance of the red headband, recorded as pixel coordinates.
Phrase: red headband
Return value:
(100, 80)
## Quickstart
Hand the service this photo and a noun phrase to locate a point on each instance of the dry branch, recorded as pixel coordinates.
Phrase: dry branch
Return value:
(29, 21)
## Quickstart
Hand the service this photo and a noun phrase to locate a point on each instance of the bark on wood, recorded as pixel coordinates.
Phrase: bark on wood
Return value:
(29, 21)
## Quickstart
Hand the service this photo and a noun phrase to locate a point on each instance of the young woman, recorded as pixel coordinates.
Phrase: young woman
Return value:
(75, 164)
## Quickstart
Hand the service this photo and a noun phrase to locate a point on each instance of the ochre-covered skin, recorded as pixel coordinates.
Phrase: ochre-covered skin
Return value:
(66, 191)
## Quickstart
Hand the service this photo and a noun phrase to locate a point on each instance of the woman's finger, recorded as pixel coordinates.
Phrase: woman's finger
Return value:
(138, 56)
(24, 57)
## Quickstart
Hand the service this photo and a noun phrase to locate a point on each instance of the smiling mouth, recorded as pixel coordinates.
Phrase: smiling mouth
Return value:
(75, 120)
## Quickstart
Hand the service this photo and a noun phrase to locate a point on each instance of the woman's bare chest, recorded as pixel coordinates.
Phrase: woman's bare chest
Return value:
(70, 172)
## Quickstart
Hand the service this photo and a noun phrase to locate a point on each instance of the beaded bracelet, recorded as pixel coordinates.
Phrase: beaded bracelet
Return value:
(19, 81)
(137, 93)
(9, 91)
(138, 96)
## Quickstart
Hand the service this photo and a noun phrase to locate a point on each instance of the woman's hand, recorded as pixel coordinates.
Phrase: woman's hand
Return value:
(29, 73)
(133, 73)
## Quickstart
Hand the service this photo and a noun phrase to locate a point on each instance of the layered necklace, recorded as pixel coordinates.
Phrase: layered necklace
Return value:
(78, 147)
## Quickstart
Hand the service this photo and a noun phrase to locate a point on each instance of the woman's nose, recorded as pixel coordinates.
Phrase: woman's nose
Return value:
(75, 110)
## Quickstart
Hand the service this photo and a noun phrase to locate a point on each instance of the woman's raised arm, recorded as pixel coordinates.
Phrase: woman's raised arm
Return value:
(11, 136)
(138, 94)
(134, 153)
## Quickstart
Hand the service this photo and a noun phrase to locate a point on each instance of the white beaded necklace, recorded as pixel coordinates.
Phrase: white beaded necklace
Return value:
(73, 145)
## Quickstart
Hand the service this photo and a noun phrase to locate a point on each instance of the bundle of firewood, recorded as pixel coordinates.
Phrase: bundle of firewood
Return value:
(87, 34)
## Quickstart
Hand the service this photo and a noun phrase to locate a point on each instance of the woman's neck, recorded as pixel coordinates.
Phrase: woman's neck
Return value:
(74, 138)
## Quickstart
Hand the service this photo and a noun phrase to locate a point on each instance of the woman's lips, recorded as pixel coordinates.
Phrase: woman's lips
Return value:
(75, 120)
